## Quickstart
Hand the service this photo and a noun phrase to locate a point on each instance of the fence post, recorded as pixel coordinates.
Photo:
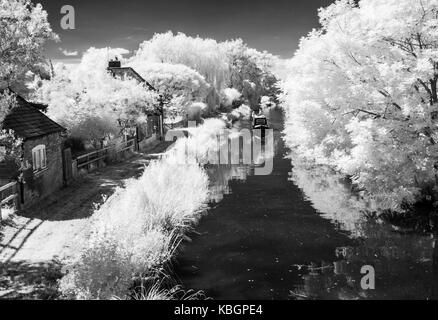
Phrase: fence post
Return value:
(13, 194)
(17, 201)
(74, 168)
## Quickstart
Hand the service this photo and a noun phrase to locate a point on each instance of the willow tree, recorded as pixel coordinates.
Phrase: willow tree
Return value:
(206, 56)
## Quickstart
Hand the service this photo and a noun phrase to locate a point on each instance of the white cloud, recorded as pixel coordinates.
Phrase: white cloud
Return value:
(69, 53)
(67, 62)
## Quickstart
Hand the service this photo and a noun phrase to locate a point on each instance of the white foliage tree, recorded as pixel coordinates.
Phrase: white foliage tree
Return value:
(361, 95)
(24, 30)
(251, 71)
(90, 102)
(222, 64)
(179, 85)
(206, 56)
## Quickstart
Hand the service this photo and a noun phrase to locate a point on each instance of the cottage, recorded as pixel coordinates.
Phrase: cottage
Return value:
(154, 128)
(42, 168)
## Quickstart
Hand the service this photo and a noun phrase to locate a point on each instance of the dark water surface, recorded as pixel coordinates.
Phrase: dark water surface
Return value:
(299, 234)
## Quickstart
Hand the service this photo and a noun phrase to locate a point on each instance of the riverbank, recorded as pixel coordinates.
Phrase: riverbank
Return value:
(136, 232)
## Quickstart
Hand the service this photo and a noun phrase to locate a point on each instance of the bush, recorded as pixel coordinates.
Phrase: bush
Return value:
(230, 96)
(243, 112)
(198, 147)
(111, 262)
(196, 111)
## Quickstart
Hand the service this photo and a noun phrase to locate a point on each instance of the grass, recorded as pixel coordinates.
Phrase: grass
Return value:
(136, 232)
(162, 289)
(176, 293)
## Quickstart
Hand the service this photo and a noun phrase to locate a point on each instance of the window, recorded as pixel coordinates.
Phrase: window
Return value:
(39, 158)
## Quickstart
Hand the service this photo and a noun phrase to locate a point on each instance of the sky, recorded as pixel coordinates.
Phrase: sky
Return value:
(272, 25)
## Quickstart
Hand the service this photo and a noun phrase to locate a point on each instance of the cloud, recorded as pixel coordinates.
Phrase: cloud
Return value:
(120, 51)
(66, 61)
(68, 53)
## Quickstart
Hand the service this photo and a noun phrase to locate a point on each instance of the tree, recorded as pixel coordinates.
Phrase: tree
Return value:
(206, 56)
(251, 72)
(179, 85)
(24, 29)
(10, 145)
(222, 64)
(91, 103)
(361, 96)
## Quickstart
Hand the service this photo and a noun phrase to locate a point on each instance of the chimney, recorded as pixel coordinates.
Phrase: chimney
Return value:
(114, 63)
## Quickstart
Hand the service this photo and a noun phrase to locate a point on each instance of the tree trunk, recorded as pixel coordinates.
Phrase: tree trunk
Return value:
(433, 84)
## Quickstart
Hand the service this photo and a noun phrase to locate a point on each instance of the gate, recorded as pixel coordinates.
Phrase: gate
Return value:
(67, 166)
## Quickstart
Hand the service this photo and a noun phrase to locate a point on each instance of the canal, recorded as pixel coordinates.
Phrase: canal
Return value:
(299, 233)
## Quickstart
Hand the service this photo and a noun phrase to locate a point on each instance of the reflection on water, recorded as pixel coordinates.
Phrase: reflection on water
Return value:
(300, 233)
(405, 262)
(331, 196)
(222, 176)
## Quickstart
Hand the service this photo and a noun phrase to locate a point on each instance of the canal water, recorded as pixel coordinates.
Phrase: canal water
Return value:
(299, 234)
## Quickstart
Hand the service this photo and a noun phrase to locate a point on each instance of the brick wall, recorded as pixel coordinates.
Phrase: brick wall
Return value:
(41, 184)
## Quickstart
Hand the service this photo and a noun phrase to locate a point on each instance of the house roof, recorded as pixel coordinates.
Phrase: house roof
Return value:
(39, 106)
(128, 71)
(28, 122)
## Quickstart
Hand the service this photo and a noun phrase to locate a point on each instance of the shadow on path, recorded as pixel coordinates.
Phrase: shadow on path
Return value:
(57, 225)
(22, 280)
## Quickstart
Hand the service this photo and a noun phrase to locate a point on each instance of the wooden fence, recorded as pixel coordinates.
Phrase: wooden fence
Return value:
(9, 193)
(94, 158)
